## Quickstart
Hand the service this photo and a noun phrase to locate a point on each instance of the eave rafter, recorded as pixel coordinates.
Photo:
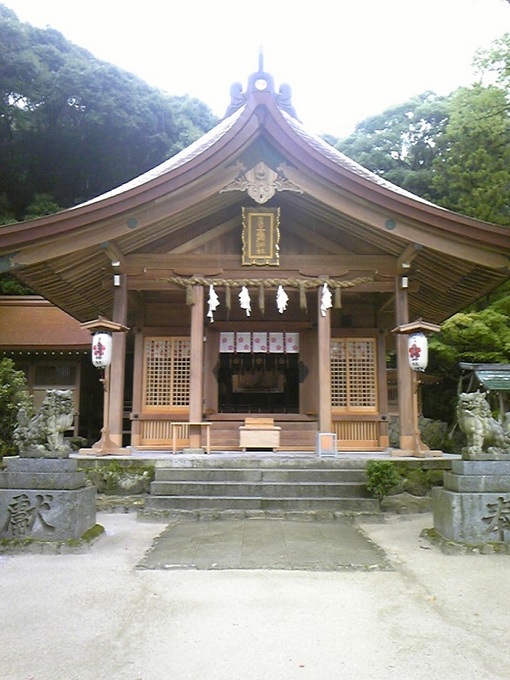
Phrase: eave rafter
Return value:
(206, 237)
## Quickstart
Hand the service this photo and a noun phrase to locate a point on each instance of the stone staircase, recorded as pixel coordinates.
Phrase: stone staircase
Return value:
(259, 485)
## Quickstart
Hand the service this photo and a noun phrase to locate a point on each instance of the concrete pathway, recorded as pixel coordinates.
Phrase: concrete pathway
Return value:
(98, 615)
(264, 544)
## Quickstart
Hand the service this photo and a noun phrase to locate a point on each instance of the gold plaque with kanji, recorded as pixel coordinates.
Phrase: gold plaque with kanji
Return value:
(261, 236)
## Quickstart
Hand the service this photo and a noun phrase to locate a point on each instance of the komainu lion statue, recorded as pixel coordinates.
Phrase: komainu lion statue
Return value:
(42, 436)
(487, 439)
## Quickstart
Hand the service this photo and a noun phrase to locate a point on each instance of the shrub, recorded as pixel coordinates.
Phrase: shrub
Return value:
(13, 397)
(382, 477)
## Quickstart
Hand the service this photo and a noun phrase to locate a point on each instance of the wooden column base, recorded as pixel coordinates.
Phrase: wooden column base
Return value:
(106, 446)
(412, 445)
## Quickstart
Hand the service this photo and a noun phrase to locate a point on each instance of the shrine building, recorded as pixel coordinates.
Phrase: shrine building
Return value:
(259, 273)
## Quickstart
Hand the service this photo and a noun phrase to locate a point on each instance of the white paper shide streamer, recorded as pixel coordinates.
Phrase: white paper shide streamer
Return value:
(213, 302)
(326, 299)
(244, 300)
(281, 299)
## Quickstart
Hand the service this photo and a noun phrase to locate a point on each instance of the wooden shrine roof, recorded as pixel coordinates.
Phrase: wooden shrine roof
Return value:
(184, 217)
(30, 322)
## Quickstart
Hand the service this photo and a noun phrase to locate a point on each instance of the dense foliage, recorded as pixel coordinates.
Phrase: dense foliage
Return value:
(454, 151)
(471, 171)
(13, 397)
(73, 127)
(400, 144)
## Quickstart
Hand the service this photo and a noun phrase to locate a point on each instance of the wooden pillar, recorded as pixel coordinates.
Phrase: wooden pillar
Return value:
(382, 390)
(308, 387)
(211, 358)
(136, 424)
(324, 366)
(197, 366)
(118, 365)
(404, 372)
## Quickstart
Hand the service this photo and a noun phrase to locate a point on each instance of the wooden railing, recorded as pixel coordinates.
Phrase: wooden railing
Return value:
(172, 434)
(353, 433)
(357, 433)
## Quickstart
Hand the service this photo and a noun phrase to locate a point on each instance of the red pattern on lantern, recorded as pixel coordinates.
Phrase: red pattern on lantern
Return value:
(414, 351)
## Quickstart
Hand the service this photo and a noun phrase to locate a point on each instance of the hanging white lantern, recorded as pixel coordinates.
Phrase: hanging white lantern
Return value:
(101, 349)
(418, 351)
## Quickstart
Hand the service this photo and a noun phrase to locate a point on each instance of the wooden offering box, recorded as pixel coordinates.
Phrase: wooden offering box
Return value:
(259, 433)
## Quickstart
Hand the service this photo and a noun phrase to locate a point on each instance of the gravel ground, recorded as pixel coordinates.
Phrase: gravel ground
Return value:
(96, 615)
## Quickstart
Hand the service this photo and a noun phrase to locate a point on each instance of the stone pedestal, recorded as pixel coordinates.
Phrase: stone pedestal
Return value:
(474, 504)
(45, 499)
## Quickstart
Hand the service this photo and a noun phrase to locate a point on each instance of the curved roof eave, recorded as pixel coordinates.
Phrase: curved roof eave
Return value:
(115, 201)
(376, 190)
(338, 169)
(219, 144)
(194, 150)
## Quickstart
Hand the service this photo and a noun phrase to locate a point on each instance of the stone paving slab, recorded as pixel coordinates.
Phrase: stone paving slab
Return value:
(265, 544)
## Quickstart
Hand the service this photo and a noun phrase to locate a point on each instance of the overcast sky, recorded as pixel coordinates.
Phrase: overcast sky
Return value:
(344, 60)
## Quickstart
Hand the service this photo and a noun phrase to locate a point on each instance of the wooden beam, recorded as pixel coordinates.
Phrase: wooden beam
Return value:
(308, 265)
(407, 256)
(114, 254)
(196, 384)
(324, 366)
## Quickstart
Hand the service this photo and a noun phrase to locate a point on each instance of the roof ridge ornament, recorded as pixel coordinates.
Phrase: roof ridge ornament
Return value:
(260, 81)
(261, 182)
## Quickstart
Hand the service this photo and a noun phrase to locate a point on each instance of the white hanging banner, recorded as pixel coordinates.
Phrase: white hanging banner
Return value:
(326, 299)
(227, 342)
(259, 342)
(213, 303)
(281, 299)
(244, 300)
(292, 343)
(276, 345)
(243, 342)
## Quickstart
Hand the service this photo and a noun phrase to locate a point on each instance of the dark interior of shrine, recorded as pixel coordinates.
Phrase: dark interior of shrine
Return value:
(258, 383)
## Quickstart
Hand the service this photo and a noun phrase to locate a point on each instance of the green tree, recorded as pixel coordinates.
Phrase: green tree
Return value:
(13, 397)
(472, 337)
(73, 127)
(493, 63)
(472, 166)
(11, 286)
(400, 144)
(42, 204)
